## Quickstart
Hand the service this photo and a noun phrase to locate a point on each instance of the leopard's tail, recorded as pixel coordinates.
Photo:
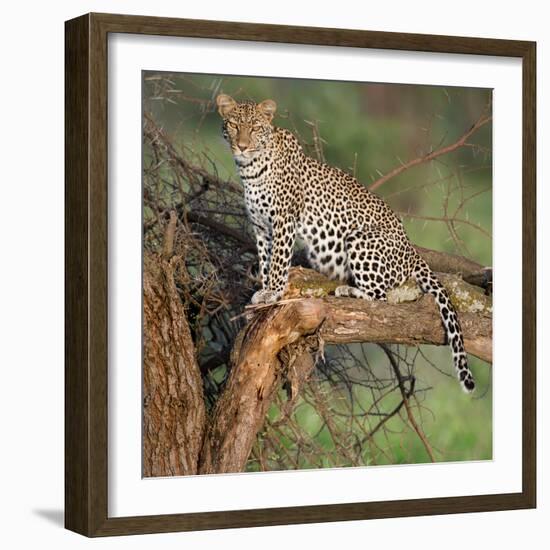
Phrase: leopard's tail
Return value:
(429, 283)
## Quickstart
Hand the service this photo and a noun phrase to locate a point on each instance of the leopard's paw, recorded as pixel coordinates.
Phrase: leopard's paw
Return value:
(343, 291)
(265, 297)
(352, 292)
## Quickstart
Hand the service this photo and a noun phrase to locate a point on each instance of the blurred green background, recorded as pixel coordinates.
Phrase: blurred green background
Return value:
(369, 129)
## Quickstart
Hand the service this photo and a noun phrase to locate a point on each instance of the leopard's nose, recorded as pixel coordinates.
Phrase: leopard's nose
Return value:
(243, 140)
(242, 145)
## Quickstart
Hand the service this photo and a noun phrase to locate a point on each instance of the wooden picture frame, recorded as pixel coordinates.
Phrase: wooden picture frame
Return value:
(86, 283)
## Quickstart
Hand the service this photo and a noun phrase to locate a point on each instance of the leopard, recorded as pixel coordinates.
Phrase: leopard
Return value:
(350, 234)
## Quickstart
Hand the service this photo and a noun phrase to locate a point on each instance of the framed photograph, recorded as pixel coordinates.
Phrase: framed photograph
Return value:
(293, 257)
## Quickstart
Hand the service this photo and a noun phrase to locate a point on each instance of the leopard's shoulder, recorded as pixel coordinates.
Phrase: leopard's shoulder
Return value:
(286, 141)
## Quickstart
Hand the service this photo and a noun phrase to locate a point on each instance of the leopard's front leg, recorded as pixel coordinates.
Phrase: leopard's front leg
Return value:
(263, 246)
(282, 244)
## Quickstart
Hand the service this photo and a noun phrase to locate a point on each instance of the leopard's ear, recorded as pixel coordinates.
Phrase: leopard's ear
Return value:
(225, 104)
(268, 108)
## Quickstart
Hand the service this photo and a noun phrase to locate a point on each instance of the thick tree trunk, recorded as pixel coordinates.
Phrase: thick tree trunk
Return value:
(173, 401)
(255, 377)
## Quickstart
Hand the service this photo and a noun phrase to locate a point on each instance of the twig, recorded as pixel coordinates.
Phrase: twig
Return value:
(406, 395)
(434, 154)
(168, 247)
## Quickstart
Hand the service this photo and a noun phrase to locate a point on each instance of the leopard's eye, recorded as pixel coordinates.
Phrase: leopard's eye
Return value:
(232, 125)
(256, 127)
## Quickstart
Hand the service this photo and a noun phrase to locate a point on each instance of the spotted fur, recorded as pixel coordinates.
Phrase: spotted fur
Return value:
(349, 233)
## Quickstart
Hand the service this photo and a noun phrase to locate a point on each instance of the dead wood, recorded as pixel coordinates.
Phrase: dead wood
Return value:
(255, 377)
(173, 401)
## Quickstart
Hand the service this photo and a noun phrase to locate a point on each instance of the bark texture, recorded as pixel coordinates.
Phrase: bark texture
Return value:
(408, 317)
(406, 323)
(255, 377)
(173, 401)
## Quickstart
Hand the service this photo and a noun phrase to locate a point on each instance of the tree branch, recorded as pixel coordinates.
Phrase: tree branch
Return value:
(434, 154)
(406, 394)
(408, 323)
(470, 271)
(408, 317)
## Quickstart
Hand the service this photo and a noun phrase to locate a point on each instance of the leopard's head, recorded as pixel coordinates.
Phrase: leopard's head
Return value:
(246, 126)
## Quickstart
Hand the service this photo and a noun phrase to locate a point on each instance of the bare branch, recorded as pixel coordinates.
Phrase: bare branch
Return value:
(405, 395)
(433, 155)
(415, 322)
(412, 323)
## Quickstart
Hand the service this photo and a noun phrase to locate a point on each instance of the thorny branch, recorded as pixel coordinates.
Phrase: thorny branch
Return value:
(461, 142)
